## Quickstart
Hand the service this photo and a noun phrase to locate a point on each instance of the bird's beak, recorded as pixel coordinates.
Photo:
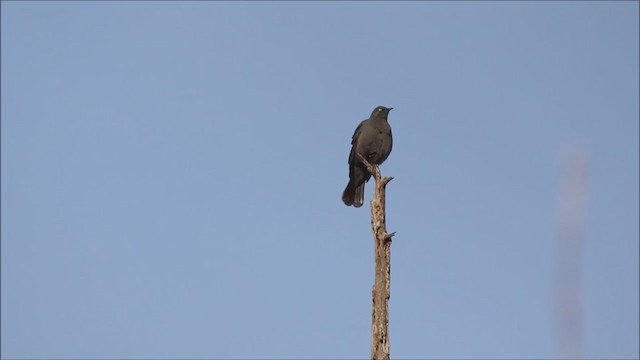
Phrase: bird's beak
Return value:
(390, 109)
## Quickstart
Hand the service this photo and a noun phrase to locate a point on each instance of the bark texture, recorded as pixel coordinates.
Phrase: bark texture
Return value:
(382, 284)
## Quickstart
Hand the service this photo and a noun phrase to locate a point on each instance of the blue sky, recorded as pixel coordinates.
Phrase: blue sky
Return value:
(172, 172)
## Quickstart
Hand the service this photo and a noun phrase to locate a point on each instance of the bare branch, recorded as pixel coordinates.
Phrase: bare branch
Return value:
(382, 284)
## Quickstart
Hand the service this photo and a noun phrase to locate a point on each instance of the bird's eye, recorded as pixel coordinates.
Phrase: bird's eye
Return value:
(379, 109)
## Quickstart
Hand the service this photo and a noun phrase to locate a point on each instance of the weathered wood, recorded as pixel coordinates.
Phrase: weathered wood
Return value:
(382, 249)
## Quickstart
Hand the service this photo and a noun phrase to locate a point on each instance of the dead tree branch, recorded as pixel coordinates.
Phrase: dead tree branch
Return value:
(381, 287)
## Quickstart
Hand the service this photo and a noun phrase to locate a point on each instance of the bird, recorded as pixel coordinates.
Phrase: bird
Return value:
(372, 139)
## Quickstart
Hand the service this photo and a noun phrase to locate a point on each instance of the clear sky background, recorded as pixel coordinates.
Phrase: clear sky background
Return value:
(172, 173)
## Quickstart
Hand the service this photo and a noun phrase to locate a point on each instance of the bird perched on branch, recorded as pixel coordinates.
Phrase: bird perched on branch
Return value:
(372, 139)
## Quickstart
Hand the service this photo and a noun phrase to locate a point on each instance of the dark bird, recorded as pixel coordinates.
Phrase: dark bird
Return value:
(372, 139)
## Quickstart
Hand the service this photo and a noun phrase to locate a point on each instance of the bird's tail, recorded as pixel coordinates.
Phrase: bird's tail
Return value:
(353, 195)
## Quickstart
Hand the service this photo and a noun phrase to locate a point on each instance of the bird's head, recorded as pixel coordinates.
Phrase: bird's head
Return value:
(381, 111)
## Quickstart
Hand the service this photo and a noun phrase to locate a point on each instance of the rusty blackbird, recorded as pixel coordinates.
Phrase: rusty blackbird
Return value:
(372, 139)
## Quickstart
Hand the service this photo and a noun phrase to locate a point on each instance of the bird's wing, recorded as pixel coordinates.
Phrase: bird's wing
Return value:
(354, 138)
(354, 142)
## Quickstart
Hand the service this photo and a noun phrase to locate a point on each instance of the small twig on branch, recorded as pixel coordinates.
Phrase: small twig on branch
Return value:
(371, 168)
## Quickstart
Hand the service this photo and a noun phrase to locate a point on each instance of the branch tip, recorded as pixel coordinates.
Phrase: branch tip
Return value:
(386, 180)
(370, 168)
